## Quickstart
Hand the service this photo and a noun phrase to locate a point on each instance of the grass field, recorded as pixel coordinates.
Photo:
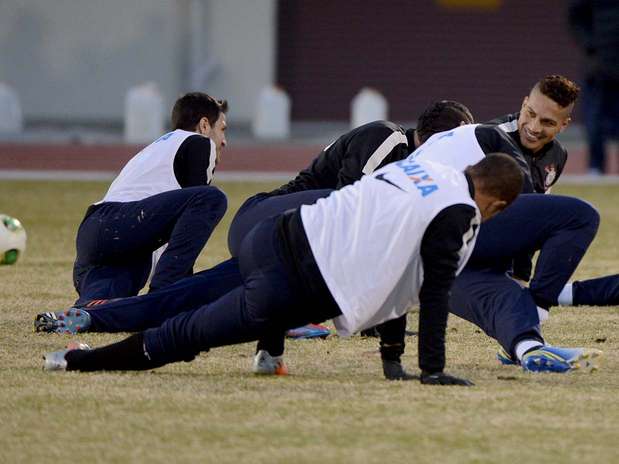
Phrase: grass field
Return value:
(335, 407)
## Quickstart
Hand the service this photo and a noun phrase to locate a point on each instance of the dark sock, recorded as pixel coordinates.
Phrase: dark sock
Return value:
(391, 352)
(126, 355)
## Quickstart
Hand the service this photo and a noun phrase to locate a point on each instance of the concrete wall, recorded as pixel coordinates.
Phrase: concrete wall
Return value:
(72, 61)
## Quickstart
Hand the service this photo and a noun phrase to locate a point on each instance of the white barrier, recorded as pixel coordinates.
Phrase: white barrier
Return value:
(11, 117)
(272, 118)
(367, 106)
(143, 113)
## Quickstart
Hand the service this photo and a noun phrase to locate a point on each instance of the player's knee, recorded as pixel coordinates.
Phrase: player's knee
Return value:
(211, 199)
(587, 216)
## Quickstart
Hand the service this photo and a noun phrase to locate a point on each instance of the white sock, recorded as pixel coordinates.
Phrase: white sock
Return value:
(542, 314)
(526, 345)
(566, 297)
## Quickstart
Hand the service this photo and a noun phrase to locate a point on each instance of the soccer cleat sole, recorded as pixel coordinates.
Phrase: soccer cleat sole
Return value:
(70, 321)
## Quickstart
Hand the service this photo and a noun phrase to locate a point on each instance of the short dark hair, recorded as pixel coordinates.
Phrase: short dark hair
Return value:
(559, 89)
(498, 175)
(442, 116)
(193, 106)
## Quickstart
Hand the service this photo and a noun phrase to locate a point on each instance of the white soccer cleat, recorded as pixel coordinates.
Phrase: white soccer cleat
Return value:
(55, 361)
(265, 364)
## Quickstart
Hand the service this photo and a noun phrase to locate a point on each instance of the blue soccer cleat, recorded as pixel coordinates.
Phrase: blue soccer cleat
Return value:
(69, 321)
(556, 359)
(309, 331)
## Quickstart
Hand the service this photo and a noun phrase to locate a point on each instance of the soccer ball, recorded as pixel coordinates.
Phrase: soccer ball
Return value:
(12, 239)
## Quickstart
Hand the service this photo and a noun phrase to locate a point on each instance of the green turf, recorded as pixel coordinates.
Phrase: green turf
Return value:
(335, 407)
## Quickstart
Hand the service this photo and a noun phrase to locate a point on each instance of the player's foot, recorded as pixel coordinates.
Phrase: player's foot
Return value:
(55, 361)
(505, 358)
(265, 364)
(309, 331)
(69, 321)
(394, 370)
(556, 359)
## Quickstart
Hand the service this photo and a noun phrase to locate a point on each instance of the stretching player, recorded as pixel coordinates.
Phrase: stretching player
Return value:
(295, 269)
(162, 195)
(545, 113)
(354, 154)
(561, 227)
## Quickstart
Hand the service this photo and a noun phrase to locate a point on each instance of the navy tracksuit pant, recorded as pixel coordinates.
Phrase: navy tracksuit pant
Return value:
(269, 301)
(263, 206)
(561, 228)
(602, 291)
(115, 241)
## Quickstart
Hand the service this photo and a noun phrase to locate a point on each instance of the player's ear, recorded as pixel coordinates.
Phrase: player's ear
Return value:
(416, 140)
(565, 123)
(204, 126)
(492, 208)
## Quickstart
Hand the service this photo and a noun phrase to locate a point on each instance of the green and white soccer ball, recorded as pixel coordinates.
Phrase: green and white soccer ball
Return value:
(12, 239)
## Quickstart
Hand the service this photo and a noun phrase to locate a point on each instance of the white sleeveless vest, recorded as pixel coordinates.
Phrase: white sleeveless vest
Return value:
(366, 238)
(151, 171)
(457, 148)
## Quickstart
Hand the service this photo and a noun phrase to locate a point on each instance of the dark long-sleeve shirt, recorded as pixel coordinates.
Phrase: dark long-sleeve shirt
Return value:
(356, 153)
(194, 162)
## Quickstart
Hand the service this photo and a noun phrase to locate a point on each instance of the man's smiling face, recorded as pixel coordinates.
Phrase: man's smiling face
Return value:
(541, 119)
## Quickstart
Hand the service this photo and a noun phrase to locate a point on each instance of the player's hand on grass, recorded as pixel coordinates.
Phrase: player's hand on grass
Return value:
(394, 370)
(440, 378)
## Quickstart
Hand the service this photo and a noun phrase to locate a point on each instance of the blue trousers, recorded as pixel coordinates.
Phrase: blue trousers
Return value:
(263, 206)
(268, 302)
(602, 291)
(115, 241)
(560, 228)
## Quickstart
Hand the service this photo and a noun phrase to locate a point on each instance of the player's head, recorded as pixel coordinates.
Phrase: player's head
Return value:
(201, 113)
(441, 116)
(498, 181)
(546, 111)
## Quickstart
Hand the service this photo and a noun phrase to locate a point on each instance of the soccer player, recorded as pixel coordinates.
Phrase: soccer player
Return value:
(562, 228)
(296, 269)
(353, 155)
(161, 196)
(544, 114)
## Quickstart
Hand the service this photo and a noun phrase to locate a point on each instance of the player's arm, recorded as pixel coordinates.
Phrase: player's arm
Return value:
(320, 174)
(370, 150)
(195, 160)
(441, 248)
(491, 139)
